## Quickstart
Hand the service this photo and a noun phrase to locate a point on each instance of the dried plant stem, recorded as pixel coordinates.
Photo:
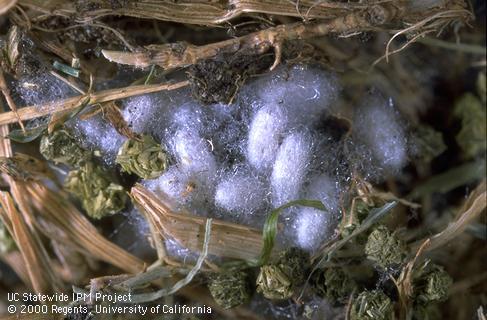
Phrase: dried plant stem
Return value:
(181, 54)
(228, 239)
(33, 112)
(352, 21)
(201, 12)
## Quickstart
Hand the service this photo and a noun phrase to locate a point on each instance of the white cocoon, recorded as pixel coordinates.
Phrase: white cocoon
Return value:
(193, 152)
(377, 125)
(314, 226)
(240, 192)
(265, 134)
(290, 167)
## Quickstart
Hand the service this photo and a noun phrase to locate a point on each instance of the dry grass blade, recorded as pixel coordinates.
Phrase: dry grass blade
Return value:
(56, 208)
(38, 264)
(6, 5)
(473, 207)
(33, 112)
(228, 239)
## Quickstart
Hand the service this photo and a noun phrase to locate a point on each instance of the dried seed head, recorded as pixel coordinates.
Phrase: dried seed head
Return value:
(98, 195)
(273, 283)
(431, 283)
(230, 289)
(277, 281)
(384, 248)
(145, 158)
(372, 305)
(7, 244)
(333, 284)
(61, 147)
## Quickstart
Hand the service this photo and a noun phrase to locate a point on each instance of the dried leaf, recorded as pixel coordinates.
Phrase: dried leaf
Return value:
(228, 239)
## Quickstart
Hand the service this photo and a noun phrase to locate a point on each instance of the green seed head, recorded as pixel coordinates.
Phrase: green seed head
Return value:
(145, 158)
(372, 305)
(92, 186)
(333, 284)
(473, 115)
(230, 289)
(294, 263)
(384, 248)
(431, 283)
(429, 143)
(61, 147)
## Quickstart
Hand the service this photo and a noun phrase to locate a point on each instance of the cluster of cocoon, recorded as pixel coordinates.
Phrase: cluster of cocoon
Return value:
(269, 147)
